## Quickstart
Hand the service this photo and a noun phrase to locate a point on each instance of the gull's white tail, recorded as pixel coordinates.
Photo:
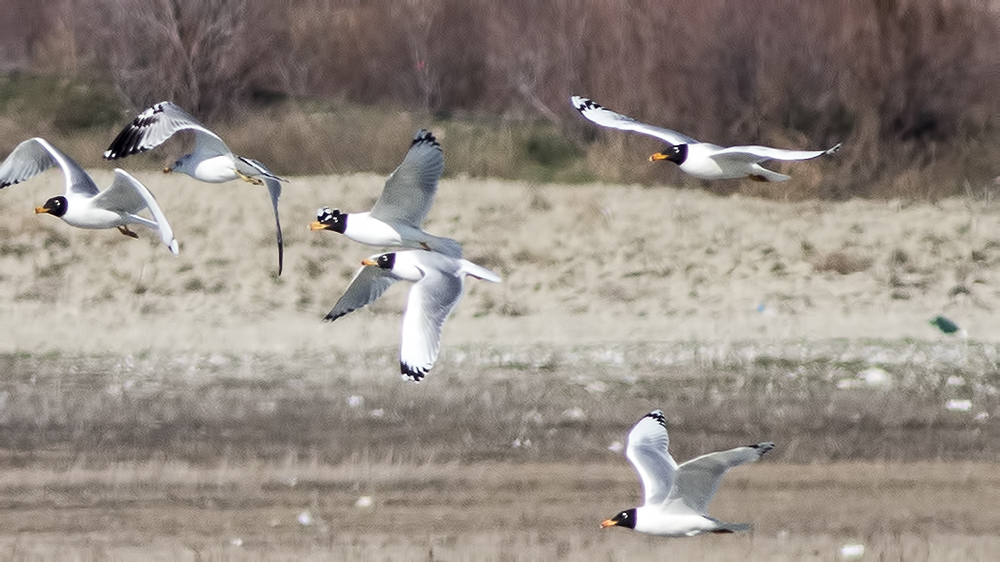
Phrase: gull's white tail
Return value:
(479, 272)
(731, 528)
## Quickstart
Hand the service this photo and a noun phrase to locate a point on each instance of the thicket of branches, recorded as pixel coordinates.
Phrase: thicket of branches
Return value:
(909, 85)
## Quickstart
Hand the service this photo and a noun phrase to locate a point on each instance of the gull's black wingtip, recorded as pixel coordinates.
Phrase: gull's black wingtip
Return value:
(657, 415)
(424, 136)
(412, 374)
(583, 104)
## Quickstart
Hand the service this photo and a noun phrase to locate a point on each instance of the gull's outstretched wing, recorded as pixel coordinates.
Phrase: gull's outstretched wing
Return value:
(36, 155)
(274, 190)
(158, 123)
(431, 301)
(647, 450)
(409, 191)
(763, 153)
(368, 284)
(129, 195)
(697, 480)
(604, 117)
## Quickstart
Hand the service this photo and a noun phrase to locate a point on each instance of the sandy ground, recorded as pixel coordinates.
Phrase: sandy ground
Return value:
(599, 280)
(581, 264)
(169, 511)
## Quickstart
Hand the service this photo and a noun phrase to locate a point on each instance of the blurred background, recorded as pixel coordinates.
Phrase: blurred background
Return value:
(907, 85)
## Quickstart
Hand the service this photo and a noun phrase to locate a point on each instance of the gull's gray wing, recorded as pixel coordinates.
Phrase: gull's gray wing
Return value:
(252, 167)
(368, 284)
(697, 480)
(128, 195)
(763, 153)
(604, 117)
(647, 450)
(430, 302)
(409, 191)
(274, 190)
(36, 155)
(158, 123)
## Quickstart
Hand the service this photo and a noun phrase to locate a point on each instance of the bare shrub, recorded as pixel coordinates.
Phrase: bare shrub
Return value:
(208, 56)
(24, 25)
(423, 54)
(905, 84)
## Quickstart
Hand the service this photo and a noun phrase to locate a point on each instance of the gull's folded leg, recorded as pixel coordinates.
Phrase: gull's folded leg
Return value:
(124, 230)
(246, 178)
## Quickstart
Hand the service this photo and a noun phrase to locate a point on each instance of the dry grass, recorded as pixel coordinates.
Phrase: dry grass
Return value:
(186, 457)
(539, 403)
(486, 511)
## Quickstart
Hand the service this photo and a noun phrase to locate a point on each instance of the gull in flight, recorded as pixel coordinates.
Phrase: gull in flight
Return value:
(405, 201)
(438, 283)
(700, 159)
(211, 161)
(83, 205)
(677, 496)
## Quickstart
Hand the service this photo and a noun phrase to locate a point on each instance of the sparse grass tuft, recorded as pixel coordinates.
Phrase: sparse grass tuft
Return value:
(194, 284)
(842, 262)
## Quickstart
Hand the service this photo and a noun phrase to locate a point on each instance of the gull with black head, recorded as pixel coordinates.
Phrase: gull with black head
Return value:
(677, 496)
(83, 205)
(211, 160)
(406, 199)
(700, 159)
(438, 284)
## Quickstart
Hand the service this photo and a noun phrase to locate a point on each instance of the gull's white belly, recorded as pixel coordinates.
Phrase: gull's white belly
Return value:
(700, 164)
(92, 217)
(656, 522)
(217, 169)
(362, 228)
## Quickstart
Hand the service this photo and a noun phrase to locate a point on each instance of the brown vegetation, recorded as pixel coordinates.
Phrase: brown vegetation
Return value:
(906, 84)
